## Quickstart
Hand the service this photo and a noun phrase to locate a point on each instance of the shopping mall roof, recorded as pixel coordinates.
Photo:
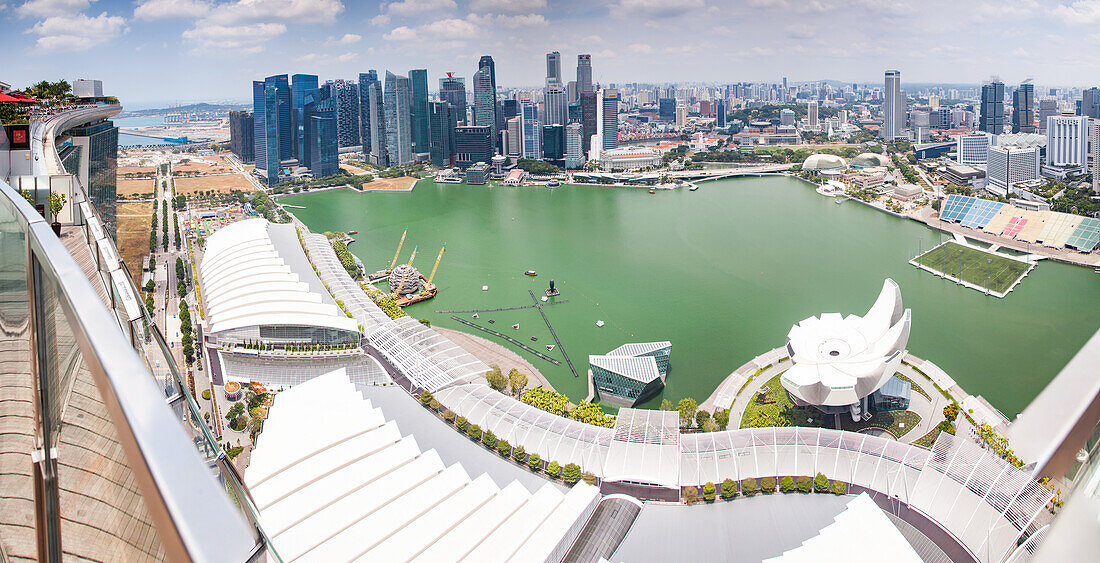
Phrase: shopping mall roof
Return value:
(347, 485)
(254, 272)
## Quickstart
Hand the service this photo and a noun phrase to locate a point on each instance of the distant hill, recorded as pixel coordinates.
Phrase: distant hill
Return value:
(200, 107)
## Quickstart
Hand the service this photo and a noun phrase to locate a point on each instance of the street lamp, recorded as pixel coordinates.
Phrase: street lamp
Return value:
(988, 268)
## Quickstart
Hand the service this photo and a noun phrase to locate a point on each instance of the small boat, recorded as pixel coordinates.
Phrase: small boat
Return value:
(353, 232)
(474, 316)
(491, 321)
(553, 184)
(516, 326)
(693, 188)
(531, 273)
(549, 347)
(599, 324)
(534, 339)
(484, 288)
(652, 192)
(839, 201)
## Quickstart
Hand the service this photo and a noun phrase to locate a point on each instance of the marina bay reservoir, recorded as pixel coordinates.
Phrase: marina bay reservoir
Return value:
(722, 273)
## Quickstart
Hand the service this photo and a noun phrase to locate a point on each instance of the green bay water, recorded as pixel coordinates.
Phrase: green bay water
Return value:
(722, 272)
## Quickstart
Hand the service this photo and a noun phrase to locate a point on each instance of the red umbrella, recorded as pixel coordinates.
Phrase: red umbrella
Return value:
(16, 99)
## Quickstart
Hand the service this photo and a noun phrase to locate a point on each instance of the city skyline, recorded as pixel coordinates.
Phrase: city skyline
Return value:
(202, 46)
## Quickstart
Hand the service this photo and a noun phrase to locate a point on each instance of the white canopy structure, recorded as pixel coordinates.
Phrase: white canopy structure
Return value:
(255, 274)
(840, 360)
(334, 481)
(863, 519)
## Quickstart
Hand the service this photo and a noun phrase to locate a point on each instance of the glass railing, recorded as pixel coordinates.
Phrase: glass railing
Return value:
(93, 463)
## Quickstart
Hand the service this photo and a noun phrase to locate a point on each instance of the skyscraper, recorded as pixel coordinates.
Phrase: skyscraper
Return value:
(574, 150)
(98, 141)
(531, 129)
(514, 146)
(584, 74)
(1047, 108)
(397, 100)
(485, 107)
(1023, 109)
(486, 62)
(893, 106)
(553, 69)
(607, 118)
(301, 84)
(321, 132)
(271, 126)
(571, 94)
(555, 105)
(666, 109)
(241, 135)
(720, 113)
(1090, 103)
(1067, 141)
(346, 94)
(553, 143)
(452, 89)
(811, 115)
(421, 138)
(365, 80)
(992, 115)
(473, 144)
(588, 118)
(375, 100)
(442, 123)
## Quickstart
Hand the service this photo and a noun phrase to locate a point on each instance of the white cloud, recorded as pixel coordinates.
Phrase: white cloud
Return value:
(347, 39)
(1079, 12)
(516, 6)
(655, 8)
(800, 31)
(44, 8)
(161, 9)
(641, 48)
(472, 26)
(380, 19)
(326, 59)
(77, 32)
(400, 33)
(511, 22)
(414, 7)
(268, 11)
(245, 39)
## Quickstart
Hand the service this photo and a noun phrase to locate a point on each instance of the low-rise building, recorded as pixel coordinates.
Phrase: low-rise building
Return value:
(962, 173)
(515, 177)
(866, 178)
(630, 158)
(907, 192)
(631, 373)
(478, 174)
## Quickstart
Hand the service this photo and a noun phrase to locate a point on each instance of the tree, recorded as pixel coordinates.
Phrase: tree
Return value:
(517, 381)
(588, 477)
(239, 423)
(534, 461)
(709, 491)
(840, 487)
(767, 484)
(786, 483)
(553, 470)
(729, 488)
(803, 484)
(666, 405)
(235, 410)
(691, 494)
(149, 306)
(496, 379)
(571, 473)
(164, 240)
(722, 417)
(701, 416)
(821, 483)
(489, 439)
(474, 431)
(504, 448)
(461, 423)
(150, 286)
(687, 411)
(518, 453)
(709, 425)
(951, 412)
(748, 486)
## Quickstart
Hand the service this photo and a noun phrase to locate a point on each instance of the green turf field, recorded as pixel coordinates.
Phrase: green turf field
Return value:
(971, 265)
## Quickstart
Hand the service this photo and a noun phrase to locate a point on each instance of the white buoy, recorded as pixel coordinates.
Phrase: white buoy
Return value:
(545, 298)
(599, 323)
(516, 326)
(484, 288)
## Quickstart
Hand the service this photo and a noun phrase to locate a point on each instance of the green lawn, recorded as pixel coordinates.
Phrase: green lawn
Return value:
(986, 269)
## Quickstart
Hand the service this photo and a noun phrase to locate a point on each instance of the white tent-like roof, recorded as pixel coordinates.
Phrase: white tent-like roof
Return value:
(860, 533)
(334, 481)
(839, 360)
(247, 279)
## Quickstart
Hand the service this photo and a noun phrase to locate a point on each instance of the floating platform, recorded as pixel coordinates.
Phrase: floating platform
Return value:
(427, 291)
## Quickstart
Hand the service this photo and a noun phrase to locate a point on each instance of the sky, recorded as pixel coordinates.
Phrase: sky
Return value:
(150, 52)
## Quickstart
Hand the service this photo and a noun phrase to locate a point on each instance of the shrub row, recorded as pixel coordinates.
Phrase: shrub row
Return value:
(749, 487)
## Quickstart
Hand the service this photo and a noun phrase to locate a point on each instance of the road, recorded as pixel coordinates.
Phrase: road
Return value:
(240, 168)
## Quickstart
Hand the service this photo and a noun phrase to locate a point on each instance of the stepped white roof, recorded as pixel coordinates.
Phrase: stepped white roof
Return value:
(639, 348)
(334, 481)
(255, 273)
(839, 360)
(862, 532)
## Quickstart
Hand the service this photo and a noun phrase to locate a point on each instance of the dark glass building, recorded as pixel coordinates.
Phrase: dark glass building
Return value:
(418, 86)
(322, 132)
(452, 89)
(473, 144)
(271, 133)
(666, 109)
(99, 141)
(588, 119)
(442, 122)
(992, 115)
(346, 94)
(365, 80)
(241, 135)
(575, 114)
(553, 144)
(301, 84)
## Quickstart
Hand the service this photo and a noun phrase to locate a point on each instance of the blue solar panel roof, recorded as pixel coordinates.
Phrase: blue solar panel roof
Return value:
(1086, 236)
(981, 213)
(956, 207)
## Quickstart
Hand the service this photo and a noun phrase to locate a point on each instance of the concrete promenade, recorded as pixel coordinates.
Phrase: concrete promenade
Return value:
(494, 354)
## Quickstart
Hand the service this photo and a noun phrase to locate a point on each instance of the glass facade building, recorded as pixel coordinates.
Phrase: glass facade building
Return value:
(98, 168)
(473, 144)
(418, 88)
(397, 107)
(241, 141)
(574, 152)
(531, 129)
(302, 85)
(452, 89)
(553, 143)
(271, 109)
(485, 109)
(346, 93)
(365, 80)
(442, 123)
(992, 115)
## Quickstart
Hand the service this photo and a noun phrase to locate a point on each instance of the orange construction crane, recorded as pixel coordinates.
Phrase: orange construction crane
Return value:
(437, 259)
(399, 245)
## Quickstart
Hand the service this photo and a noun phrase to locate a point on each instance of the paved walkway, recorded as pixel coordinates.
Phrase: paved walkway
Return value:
(494, 354)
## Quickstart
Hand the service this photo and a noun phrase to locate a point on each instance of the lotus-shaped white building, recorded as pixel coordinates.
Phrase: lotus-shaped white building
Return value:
(838, 361)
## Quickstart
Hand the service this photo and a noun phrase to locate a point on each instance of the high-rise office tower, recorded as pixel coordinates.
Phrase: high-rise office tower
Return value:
(574, 149)
(473, 144)
(992, 111)
(811, 115)
(666, 109)
(514, 146)
(584, 74)
(365, 80)
(531, 129)
(1090, 103)
(783, 94)
(1094, 135)
(418, 88)
(588, 118)
(720, 113)
(1023, 109)
(321, 132)
(509, 108)
(442, 122)
(377, 109)
(346, 93)
(786, 116)
(1067, 141)
(1047, 108)
(98, 167)
(573, 114)
(452, 89)
(553, 143)
(571, 91)
(556, 108)
(485, 106)
(607, 118)
(486, 62)
(272, 138)
(681, 116)
(893, 106)
(397, 100)
(553, 69)
(300, 86)
(241, 135)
